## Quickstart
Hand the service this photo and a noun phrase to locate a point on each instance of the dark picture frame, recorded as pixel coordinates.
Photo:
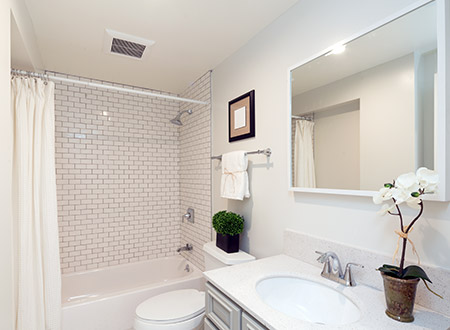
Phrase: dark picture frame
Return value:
(241, 117)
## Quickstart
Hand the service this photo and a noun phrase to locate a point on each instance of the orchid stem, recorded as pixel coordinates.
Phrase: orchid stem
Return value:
(416, 218)
(402, 259)
(399, 214)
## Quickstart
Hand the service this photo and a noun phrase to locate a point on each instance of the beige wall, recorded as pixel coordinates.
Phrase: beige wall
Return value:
(6, 279)
(336, 149)
(29, 50)
(262, 64)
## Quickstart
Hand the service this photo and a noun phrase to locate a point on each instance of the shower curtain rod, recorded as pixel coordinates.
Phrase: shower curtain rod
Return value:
(97, 85)
(309, 118)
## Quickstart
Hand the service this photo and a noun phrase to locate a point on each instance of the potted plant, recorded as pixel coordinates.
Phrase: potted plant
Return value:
(228, 226)
(400, 282)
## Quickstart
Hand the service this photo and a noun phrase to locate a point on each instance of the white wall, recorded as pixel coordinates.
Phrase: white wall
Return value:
(425, 68)
(386, 94)
(307, 28)
(6, 279)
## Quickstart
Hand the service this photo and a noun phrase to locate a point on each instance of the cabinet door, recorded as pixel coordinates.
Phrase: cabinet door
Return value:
(249, 323)
(225, 314)
(209, 325)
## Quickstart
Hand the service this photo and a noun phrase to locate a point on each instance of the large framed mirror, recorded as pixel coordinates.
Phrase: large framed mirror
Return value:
(368, 109)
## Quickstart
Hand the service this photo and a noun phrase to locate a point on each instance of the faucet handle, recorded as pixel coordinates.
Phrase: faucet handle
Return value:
(322, 257)
(353, 264)
(327, 265)
(348, 277)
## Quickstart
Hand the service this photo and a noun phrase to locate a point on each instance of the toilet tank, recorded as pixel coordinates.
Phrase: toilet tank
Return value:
(217, 258)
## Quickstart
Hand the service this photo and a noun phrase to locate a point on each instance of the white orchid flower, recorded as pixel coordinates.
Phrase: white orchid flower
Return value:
(407, 188)
(400, 194)
(383, 195)
(413, 202)
(408, 182)
(427, 179)
(385, 209)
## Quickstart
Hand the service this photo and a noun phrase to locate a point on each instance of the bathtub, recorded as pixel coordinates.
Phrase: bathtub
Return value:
(106, 299)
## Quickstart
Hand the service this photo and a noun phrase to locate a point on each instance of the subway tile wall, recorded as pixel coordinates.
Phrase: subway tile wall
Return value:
(195, 169)
(118, 175)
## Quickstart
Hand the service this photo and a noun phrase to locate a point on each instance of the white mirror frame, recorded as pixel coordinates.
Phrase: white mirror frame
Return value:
(442, 120)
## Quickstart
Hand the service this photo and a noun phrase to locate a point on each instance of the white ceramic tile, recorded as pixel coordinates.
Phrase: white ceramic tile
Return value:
(195, 169)
(125, 175)
(104, 187)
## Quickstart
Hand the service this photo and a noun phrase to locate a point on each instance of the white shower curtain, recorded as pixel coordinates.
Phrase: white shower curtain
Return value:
(37, 266)
(304, 172)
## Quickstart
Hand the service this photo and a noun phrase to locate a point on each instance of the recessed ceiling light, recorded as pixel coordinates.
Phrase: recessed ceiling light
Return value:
(338, 49)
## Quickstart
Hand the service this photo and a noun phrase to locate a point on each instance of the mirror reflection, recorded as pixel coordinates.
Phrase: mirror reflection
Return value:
(364, 112)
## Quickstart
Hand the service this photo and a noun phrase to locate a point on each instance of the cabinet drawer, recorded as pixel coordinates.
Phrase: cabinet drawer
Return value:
(225, 314)
(249, 323)
(208, 325)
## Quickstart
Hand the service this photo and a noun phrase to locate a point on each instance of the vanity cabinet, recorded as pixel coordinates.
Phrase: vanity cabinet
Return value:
(224, 314)
(220, 310)
(249, 323)
(208, 325)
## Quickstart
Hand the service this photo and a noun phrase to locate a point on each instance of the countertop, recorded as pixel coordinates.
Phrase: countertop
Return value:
(239, 282)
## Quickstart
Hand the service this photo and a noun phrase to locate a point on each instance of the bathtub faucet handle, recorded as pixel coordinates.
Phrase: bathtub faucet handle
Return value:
(189, 215)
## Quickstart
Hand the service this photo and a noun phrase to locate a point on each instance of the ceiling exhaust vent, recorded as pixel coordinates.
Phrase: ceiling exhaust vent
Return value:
(122, 44)
(127, 48)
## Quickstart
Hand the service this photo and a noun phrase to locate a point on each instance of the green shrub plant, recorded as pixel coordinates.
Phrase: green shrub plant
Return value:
(228, 223)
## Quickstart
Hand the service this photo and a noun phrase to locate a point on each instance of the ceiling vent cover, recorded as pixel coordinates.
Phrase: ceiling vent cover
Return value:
(127, 48)
(122, 44)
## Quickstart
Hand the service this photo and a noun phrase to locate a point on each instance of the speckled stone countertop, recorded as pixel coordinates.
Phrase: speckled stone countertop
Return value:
(239, 282)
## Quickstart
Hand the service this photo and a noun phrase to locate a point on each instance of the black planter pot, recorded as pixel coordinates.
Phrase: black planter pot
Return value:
(229, 244)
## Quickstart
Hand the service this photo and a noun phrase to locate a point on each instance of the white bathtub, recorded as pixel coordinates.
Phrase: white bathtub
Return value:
(106, 299)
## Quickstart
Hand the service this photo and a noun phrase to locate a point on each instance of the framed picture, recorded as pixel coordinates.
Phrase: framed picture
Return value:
(241, 117)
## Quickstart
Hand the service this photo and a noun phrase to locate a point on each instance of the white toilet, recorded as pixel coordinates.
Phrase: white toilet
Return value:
(184, 309)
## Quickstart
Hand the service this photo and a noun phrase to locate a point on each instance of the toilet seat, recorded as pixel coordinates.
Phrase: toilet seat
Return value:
(172, 307)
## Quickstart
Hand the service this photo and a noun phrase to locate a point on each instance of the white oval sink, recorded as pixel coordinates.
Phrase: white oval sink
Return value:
(307, 300)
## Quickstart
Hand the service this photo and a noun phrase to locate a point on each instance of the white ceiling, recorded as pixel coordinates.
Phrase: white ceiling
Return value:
(19, 53)
(192, 36)
(414, 32)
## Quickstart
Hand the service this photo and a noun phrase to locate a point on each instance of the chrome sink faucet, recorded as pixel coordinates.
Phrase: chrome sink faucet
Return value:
(332, 269)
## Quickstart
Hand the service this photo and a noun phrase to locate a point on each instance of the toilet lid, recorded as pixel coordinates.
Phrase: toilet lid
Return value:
(172, 306)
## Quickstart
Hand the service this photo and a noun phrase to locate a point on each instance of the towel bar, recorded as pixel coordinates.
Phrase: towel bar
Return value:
(266, 152)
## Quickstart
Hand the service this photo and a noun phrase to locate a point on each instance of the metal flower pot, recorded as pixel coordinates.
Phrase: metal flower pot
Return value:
(400, 295)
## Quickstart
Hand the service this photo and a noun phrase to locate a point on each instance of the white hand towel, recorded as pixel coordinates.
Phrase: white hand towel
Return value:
(234, 184)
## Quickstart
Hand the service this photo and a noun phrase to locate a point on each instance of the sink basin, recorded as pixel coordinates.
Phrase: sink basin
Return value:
(307, 300)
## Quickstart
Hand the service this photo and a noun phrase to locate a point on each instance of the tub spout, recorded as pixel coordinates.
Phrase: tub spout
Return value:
(187, 247)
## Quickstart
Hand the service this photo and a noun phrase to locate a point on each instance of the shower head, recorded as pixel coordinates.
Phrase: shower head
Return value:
(177, 121)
